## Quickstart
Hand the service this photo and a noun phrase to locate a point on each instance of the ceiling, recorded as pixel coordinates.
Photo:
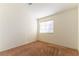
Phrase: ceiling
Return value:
(39, 10)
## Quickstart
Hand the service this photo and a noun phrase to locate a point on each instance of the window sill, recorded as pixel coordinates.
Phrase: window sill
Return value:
(47, 33)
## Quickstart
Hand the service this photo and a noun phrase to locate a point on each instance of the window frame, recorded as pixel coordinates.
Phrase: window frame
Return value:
(47, 32)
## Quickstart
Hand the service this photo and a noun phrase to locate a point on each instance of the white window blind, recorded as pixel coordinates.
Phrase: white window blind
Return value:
(47, 27)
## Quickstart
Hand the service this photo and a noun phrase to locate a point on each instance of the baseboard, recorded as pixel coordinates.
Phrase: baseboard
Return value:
(18, 45)
(58, 45)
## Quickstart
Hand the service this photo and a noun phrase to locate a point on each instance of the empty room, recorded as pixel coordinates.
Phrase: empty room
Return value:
(39, 29)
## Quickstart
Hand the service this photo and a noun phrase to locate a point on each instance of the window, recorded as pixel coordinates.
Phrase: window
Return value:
(47, 27)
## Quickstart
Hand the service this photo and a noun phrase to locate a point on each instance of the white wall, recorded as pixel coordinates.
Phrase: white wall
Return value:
(65, 31)
(78, 27)
(16, 26)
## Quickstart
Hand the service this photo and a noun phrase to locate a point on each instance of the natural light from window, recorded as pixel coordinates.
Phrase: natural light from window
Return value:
(47, 27)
